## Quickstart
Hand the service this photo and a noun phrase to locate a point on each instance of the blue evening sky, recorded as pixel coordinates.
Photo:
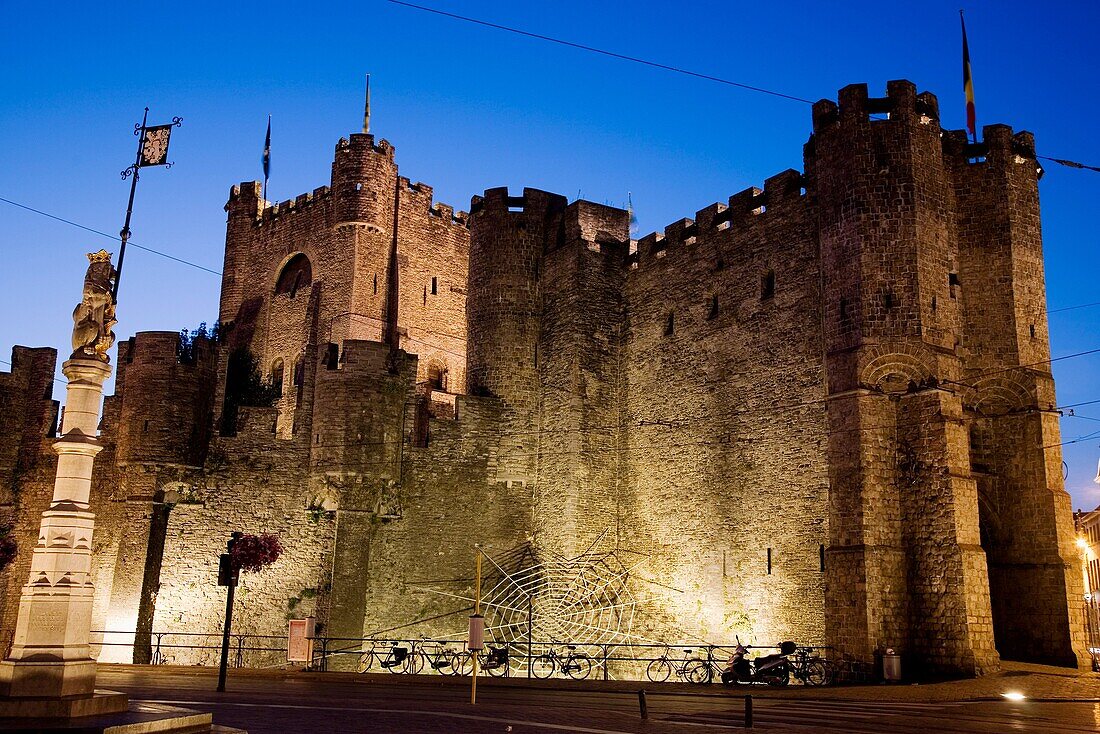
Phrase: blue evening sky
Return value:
(470, 108)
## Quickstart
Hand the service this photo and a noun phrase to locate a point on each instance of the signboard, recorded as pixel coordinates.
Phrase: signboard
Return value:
(299, 646)
(476, 640)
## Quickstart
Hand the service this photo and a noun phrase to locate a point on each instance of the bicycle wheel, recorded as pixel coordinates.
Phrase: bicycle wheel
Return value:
(366, 662)
(499, 671)
(779, 677)
(464, 663)
(543, 666)
(414, 663)
(815, 673)
(579, 666)
(697, 671)
(392, 664)
(449, 663)
(659, 670)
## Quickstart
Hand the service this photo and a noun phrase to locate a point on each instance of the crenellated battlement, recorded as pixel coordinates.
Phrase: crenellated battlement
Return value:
(999, 146)
(362, 142)
(744, 209)
(531, 202)
(166, 397)
(421, 195)
(854, 105)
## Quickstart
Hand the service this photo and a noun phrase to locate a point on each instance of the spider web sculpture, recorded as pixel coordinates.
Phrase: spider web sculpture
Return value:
(584, 600)
(532, 595)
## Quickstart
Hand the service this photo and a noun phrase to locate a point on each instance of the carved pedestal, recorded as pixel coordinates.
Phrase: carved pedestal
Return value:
(50, 656)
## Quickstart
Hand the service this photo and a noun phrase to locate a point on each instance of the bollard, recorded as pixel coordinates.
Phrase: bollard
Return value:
(748, 712)
(641, 704)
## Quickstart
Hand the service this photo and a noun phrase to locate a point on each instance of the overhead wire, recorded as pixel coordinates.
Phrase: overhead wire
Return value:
(131, 243)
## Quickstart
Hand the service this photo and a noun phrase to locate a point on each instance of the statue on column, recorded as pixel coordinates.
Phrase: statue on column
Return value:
(94, 316)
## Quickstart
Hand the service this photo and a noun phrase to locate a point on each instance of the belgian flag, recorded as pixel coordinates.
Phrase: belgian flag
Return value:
(267, 155)
(968, 86)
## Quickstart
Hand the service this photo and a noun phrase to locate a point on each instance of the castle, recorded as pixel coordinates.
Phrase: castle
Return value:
(822, 411)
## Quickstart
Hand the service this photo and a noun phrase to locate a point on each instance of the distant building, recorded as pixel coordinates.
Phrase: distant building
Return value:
(1088, 540)
(822, 411)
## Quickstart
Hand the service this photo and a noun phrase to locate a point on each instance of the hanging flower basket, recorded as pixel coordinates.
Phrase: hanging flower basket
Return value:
(255, 552)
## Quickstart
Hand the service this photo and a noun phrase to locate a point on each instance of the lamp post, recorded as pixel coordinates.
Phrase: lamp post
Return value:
(228, 575)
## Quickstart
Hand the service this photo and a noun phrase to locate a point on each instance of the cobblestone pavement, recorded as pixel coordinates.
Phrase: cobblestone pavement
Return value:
(311, 703)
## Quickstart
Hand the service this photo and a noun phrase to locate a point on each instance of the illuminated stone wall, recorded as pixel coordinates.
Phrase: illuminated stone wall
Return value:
(818, 411)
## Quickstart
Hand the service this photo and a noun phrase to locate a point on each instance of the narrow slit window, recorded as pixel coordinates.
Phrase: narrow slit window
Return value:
(670, 324)
(713, 312)
(435, 287)
(767, 285)
(769, 561)
(277, 377)
(843, 308)
(821, 556)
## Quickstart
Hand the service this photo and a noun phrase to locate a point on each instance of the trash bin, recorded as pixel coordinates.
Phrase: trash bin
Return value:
(891, 666)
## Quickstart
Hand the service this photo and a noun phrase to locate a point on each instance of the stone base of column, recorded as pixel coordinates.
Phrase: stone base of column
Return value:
(38, 678)
(138, 719)
(68, 707)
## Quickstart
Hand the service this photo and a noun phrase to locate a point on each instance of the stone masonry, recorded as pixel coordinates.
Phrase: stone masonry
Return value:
(820, 411)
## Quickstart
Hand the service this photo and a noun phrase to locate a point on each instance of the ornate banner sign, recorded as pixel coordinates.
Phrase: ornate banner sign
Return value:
(154, 149)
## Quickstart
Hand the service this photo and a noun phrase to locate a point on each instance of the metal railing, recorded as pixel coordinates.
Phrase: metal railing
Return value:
(606, 661)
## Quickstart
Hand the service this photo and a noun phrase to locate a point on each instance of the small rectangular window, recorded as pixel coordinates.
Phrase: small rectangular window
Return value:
(767, 285)
(713, 312)
(670, 324)
(434, 287)
(769, 561)
(843, 308)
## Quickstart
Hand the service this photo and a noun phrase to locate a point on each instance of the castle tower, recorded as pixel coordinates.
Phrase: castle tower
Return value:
(581, 283)
(508, 235)
(905, 568)
(1024, 511)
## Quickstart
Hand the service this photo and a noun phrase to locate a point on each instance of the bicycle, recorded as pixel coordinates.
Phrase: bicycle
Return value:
(812, 670)
(690, 669)
(389, 656)
(576, 665)
(440, 658)
(492, 660)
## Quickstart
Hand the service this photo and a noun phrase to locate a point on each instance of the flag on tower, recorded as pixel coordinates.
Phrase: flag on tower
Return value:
(968, 86)
(267, 155)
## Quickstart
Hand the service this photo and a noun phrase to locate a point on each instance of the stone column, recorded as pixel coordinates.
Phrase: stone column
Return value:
(50, 655)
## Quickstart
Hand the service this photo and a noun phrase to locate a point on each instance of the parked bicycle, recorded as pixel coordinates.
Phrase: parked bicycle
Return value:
(811, 669)
(438, 656)
(576, 665)
(691, 669)
(391, 656)
(491, 660)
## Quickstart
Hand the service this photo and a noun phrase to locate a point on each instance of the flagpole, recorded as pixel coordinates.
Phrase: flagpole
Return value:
(124, 235)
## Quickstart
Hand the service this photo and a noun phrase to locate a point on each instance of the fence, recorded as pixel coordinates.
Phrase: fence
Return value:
(611, 661)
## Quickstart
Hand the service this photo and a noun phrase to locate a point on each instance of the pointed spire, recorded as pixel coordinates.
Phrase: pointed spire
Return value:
(366, 109)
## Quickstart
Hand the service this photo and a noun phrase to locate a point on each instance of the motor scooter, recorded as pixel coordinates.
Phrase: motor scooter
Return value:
(774, 670)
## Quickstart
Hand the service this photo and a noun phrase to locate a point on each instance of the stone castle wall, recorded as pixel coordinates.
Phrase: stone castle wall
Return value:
(819, 411)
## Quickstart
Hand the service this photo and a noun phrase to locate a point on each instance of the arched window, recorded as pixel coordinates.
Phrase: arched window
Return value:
(437, 376)
(277, 376)
(296, 274)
